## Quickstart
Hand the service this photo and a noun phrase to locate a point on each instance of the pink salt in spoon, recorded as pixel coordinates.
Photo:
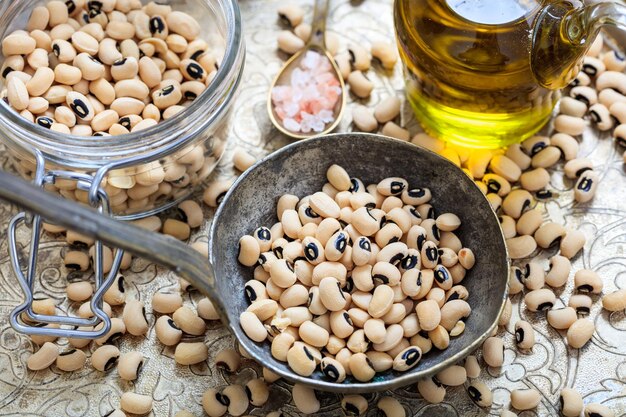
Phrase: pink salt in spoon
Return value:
(308, 96)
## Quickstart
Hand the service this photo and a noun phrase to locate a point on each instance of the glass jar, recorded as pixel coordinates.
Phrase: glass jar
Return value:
(150, 170)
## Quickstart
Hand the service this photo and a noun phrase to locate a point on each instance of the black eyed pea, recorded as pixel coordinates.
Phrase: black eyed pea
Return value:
(392, 186)
(529, 222)
(252, 326)
(525, 399)
(305, 400)
(535, 180)
(84, 310)
(118, 329)
(615, 301)
(81, 106)
(257, 391)
(429, 255)
(39, 18)
(428, 314)
(249, 251)
(548, 234)
(18, 44)
(41, 81)
(281, 344)
(79, 291)
(290, 14)
(167, 332)
(466, 258)
(588, 282)
(453, 311)
(90, 68)
(324, 205)
(134, 317)
(105, 358)
(215, 193)
(394, 253)
(263, 309)
(572, 107)
(540, 300)
(413, 260)
(38, 59)
(601, 116)
(333, 369)
(598, 410)
(562, 318)
(458, 292)
(395, 131)
(572, 243)
(448, 222)
(17, 94)
(431, 390)
(443, 277)
(385, 273)
(43, 358)
(581, 303)
(493, 352)
(506, 168)
(534, 275)
(213, 403)
(84, 42)
(76, 261)
(361, 367)
(116, 295)
(12, 63)
(573, 126)
(586, 186)
(360, 57)
(494, 200)
(191, 353)
(71, 360)
(178, 229)
(593, 66)
(391, 407)
(136, 403)
(407, 358)
(236, 398)
(617, 110)
(354, 405)
(576, 167)
(567, 145)
(288, 42)
(516, 203)
(192, 70)
(129, 365)
(571, 402)
(525, 334)
(301, 360)
(472, 367)
(480, 394)
(188, 321)
(453, 376)
(183, 24)
(385, 53)
(586, 94)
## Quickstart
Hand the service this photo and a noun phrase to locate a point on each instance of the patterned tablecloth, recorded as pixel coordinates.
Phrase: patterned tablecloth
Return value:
(598, 370)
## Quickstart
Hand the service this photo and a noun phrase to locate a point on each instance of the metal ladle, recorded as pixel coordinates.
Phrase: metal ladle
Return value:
(316, 43)
(300, 169)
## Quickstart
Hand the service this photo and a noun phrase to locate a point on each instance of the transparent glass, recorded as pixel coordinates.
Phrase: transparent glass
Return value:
(484, 73)
(152, 169)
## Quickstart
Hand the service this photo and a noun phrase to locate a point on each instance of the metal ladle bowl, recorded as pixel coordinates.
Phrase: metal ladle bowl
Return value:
(300, 169)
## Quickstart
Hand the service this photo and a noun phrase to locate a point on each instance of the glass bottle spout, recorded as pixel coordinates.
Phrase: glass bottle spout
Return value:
(563, 32)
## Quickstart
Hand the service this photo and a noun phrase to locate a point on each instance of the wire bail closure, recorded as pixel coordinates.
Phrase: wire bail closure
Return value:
(23, 319)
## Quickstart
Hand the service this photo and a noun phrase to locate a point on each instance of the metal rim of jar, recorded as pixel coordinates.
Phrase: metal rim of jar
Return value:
(149, 144)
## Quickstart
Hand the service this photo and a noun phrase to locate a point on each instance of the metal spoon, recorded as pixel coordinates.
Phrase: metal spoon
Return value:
(316, 43)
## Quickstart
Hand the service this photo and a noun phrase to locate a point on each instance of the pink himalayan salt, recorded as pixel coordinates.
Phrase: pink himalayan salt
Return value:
(308, 103)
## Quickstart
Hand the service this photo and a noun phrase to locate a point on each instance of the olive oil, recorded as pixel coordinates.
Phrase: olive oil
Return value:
(468, 69)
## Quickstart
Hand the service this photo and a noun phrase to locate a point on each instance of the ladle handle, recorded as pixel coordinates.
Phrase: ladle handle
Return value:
(318, 28)
(160, 249)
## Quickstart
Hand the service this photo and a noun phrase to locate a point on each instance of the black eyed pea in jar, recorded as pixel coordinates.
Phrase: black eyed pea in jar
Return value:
(143, 170)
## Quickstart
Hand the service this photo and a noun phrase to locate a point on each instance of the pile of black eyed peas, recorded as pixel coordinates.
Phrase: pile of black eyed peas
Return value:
(356, 279)
(105, 67)
(513, 180)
